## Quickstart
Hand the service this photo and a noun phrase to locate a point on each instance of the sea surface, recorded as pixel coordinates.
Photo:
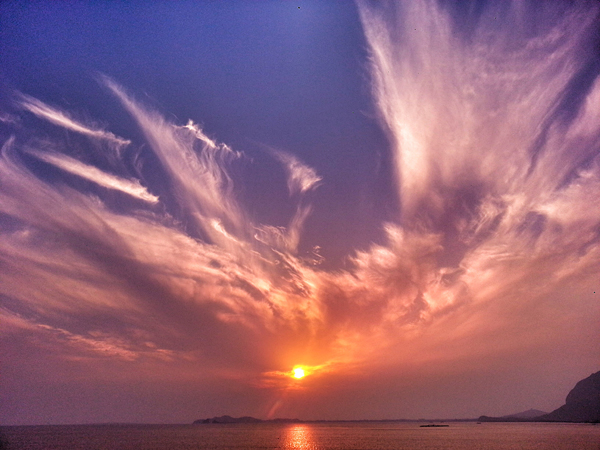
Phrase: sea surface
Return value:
(321, 436)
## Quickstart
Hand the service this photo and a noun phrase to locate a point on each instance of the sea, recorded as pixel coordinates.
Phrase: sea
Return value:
(305, 436)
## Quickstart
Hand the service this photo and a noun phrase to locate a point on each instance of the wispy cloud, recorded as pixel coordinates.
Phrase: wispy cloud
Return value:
(129, 187)
(301, 178)
(196, 166)
(61, 119)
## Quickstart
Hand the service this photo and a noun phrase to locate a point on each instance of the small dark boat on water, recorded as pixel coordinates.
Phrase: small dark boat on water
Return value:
(433, 425)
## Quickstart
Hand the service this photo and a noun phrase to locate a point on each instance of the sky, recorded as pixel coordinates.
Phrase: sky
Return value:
(197, 198)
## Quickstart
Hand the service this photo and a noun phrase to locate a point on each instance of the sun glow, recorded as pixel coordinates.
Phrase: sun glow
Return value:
(298, 372)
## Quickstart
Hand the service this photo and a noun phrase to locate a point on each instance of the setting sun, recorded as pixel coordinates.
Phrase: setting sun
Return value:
(298, 372)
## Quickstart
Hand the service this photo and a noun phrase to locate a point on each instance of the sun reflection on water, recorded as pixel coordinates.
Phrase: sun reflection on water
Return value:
(299, 437)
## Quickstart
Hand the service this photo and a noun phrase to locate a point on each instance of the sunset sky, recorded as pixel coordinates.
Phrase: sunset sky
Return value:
(306, 209)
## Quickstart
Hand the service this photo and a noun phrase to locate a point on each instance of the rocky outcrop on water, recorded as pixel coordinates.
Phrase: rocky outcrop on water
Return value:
(582, 403)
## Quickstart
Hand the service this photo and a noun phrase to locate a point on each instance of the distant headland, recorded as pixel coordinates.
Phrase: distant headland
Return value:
(581, 405)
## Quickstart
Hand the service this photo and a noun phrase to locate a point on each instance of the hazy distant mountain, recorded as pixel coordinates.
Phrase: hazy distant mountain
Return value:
(529, 414)
(582, 403)
(246, 419)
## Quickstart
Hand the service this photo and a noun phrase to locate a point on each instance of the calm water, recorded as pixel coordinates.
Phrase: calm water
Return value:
(356, 436)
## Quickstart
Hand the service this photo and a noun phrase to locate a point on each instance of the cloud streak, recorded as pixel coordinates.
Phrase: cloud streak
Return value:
(59, 118)
(91, 173)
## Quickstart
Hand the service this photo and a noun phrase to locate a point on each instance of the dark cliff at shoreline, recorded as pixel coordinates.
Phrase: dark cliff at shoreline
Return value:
(581, 405)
